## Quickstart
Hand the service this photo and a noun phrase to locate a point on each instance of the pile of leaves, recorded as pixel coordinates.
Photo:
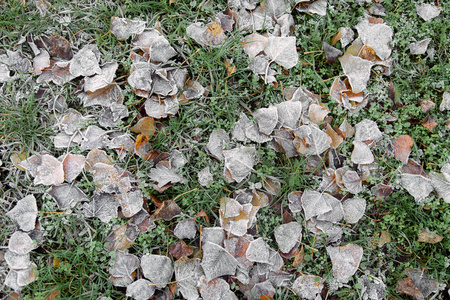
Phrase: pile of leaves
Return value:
(231, 256)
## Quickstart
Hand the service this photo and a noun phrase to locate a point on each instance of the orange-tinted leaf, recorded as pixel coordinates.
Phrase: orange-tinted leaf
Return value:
(336, 38)
(17, 157)
(214, 35)
(429, 123)
(402, 147)
(230, 68)
(427, 237)
(144, 126)
(52, 295)
(203, 214)
(368, 53)
(336, 135)
(121, 238)
(156, 156)
(141, 140)
(180, 249)
(168, 210)
(299, 259)
(375, 20)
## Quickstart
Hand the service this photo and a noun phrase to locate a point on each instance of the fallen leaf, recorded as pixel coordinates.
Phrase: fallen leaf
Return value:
(417, 186)
(316, 7)
(239, 162)
(215, 289)
(427, 237)
(315, 203)
(121, 237)
(266, 118)
(40, 62)
(205, 177)
(288, 236)
(155, 45)
(143, 221)
(58, 72)
(73, 164)
(274, 8)
(214, 35)
(20, 243)
(52, 295)
(345, 260)
(192, 90)
(59, 47)
(24, 213)
(217, 261)
(167, 211)
(187, 274)
(158, 269)
(376, 36)
(123, 269)
(103, 206)
(102, 80)
(345, 35)
(85, 62)
(17, 261)
(419, 47)
(214, 235)
(336, 214)
(123, 28)
(331, 53)
(46, 169)
(231, 69)
(354, 209)
(441, 184)
(308, 286)
(352, 182)
(272, 185)
(402, 147)
(141, 140)
(311, 140)
(141, 289)
(445, 104)
(381, 191)
(66, 195)
(185, 229)
(427, 11)
(357, 71)
(361, 153)
(258, 251)
(217, 143)
(417, 284)
(429, 123)
(282, 50)
(161, 108)
(347, 129)
(317, 112)
(254, 44)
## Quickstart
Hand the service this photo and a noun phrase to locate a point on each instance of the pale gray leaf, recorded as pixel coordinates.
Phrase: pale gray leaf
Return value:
(261, 21)
(20, 243)
(289, 113)
(361, 153)
(288, 235)
(67, 195)
(93, 137)
(163, 175)
(263, 289)
(286, 23)
(216, 289)
(445, 104)
(441, 184)
(311, 140)
(373, 288)
(73, 164)
(345, 260)
(96, 82)
(428, 11)
(315, 203)
(85, 62)
(354, 209)
(187, 274)
(258, 251)
(193, 90)
(17, 261)
(141, 81)
(40, 62)
(185, 229)
(214, 235)
(196, 31)
(275, 8)
(240, 161)
(131, 202)
(25, 213)
(357, 71)
(27, 276)
(336, 214)
(205, 177)
(254, 44)
(217, 261)
(157, 268)
(419, 47)
(123, 28)
(295, 202)
(103, 206)
(352, 182)
(123, 268)
(141, 289)
(11, 281)
(282, 50)
(417, 186)
(156, 45)
(347, 36)
(156, 108)
(267, 119)
(317, 7)
(367, 130)
(308, 286)
(218, 141)
(377, 36)
(423, 282)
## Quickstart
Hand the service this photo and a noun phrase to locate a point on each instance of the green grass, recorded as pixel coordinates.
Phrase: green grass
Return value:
(26, 126)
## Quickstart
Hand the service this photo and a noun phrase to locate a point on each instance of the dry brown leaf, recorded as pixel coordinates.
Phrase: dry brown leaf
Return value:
(141, 141)
(429, 123)
(331, 53)
(73, 164)
(381, 191)
(180, 249)
(336, 135)
(52, 295)
(59, 47)
(368, 53)
(237, 246)
(214, 34)
(168, 210)
(229, 67)
(402, 147)
(121, 238)
(203, 214)
(428, 237)
(427, 105)
(18, 157)
(142, 220)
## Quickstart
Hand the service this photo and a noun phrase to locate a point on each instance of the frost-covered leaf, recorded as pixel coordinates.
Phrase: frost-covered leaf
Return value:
(357, 71)
(316, 7)
(123, 28)
(417, 186)
(429, 122)
(254, 44)
(73, 164)
(26, 276)
(289, 113)
(402, 147)
(295, 202)
(288, 236)
(336, 214)
(20, 243)
(58, 72)
(131, 202)
(59, 47)
(141, 81)
(168, 210)
(331, 53)
(192, 90)
(158, 108)
(17, 261)
(239, 162)
(156, 45)
(141, 289)
(428, 237)
(185, 229)
(308, 286)
(218, 141)
(352, 182)
(102, 80)
(266, 118)
(187, 274)
(123, 269)
(275, 8)
(361, 153)
(282, 50)
(216, 289)
(214, 235)
(217, 261)
(103, 206)
(373, 288)
(67, 195)
(205, 177)
(317, 112)
(110, 179)
(315, 203)
(258, 251)
(157, 268)
(441, 184)
(85, 62)
(25, 213)
(354, 209)
(418, 284)
(419, 47)
(345, 260)
(311, 140)
(163, 175)
(122, 237)
(427, 11)
(246, 129)
(40, 62)
(93, 137)
(445, 104)
(143, 221)
(376, 36)
(180, 249)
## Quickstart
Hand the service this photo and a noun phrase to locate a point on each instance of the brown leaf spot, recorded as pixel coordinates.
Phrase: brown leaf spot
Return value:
(144, 126)
(59, 47)
(180, 249)
(427, 237)
(141, 140)
(407, 286)
(429, 123)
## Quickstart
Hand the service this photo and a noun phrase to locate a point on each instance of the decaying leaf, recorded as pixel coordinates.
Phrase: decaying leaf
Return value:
(352, 182)
(282, 50)
(67, 195)
(214, 235)
(141, 289)
(143, 221)
(123, 28)
(59, 47)
(419, 47)
(17, 261)
(428, 237)
(24, 213)
(123, 269)
(254, 44)
(274, 8)
(308, 286)
(402, 147)
(295, 202)
(185, 229)
(73, 164)
(157, 268)
(313, 7)
(168, 210)
(331, 53)
(187, 274)
(345, 35)
(361, 153)
(354, 209)
(417, 284)
(345, 260)
(373, 288)
(417, 186)
(428, 11)
(205, 177)
(103, 206)
(288, 236)
(206, 35)
(85, 62)
(102, 80)
(239, 162)
(317, 112)
(441, 183)
(180, 249)
(376, 36)
(429, 123)
(20, 278)
(311, 140)
(161, 108)
(217, 261)
(216, 289)
(155, 45)
(266, 118)
(46, 169)
(445, 104)
(122, 237)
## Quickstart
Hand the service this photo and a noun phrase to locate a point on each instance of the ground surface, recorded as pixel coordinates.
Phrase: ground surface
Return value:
(401, 234)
